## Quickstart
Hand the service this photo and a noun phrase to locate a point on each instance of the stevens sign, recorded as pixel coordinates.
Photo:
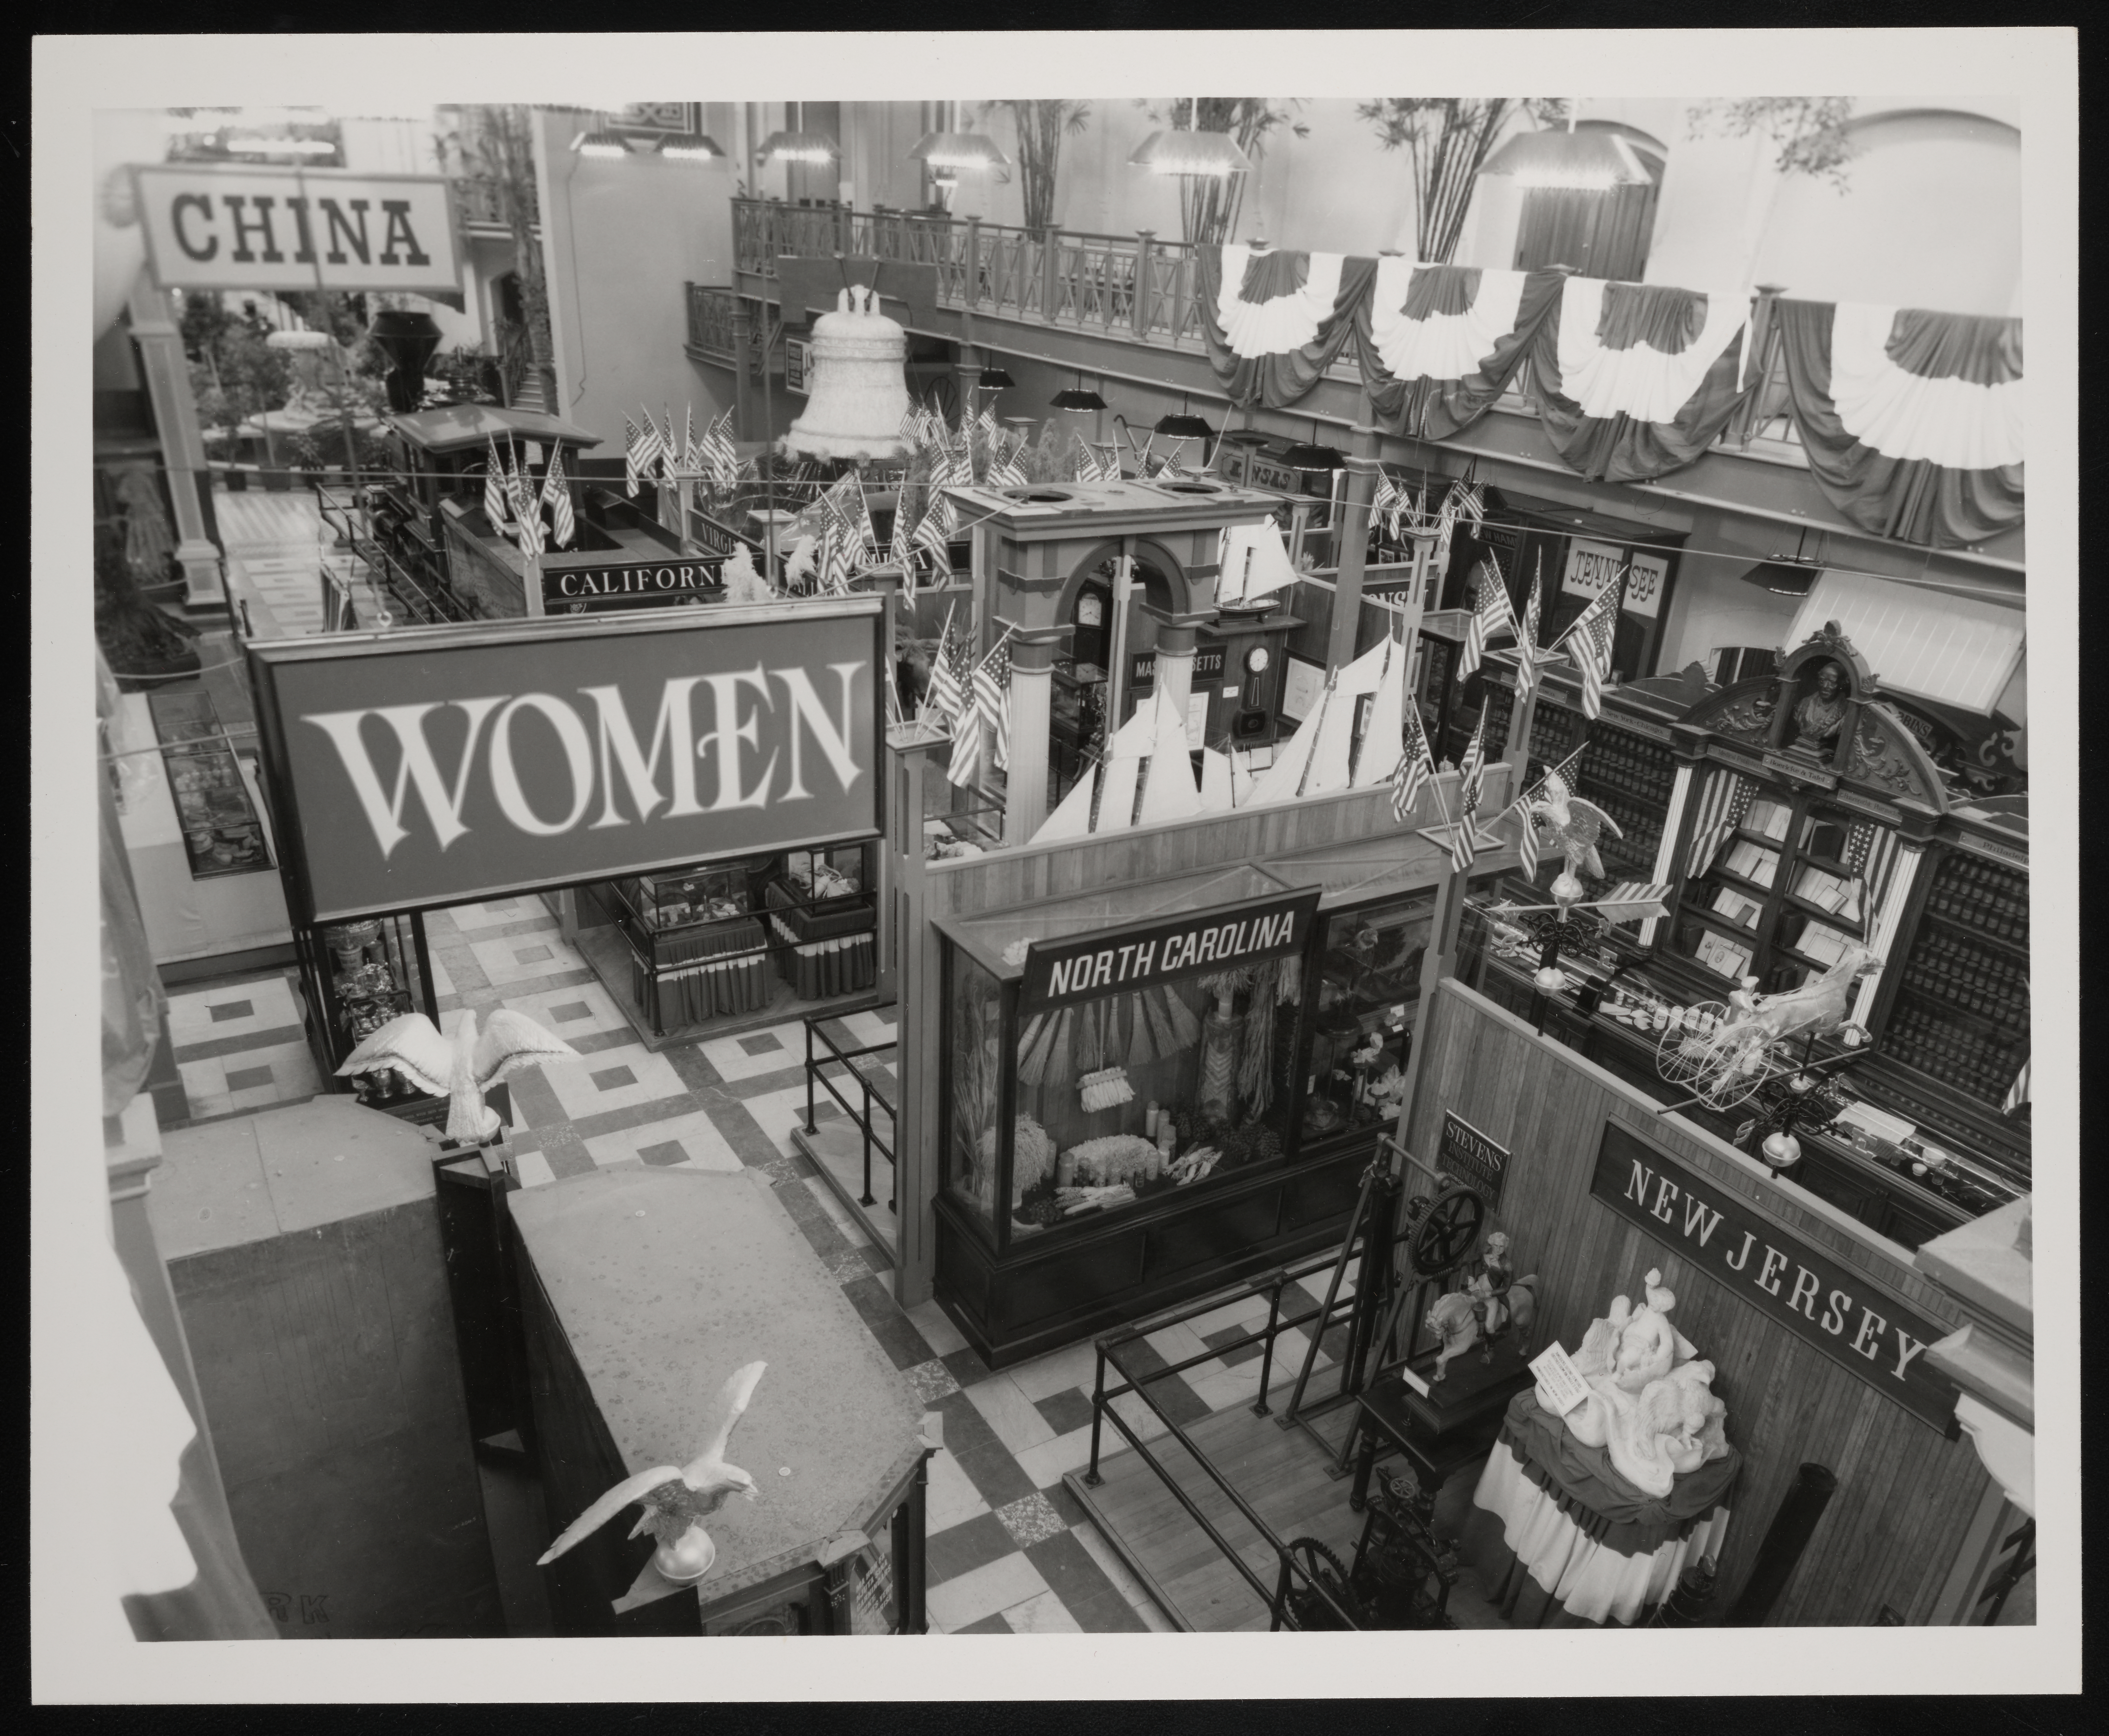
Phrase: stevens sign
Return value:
(214, 228)
(1790, 1281)
(1469, 1156)
(430, 766)
(1143, 954)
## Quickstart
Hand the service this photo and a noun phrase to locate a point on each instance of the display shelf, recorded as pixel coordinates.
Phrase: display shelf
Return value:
(2014, 949)
(1988, 899)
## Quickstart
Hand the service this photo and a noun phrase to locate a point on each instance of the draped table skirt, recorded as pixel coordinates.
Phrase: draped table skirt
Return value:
(1558, 1539)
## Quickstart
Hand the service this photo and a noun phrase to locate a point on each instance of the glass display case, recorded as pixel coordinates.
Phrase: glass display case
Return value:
(1120, 1075)
(747, 936)
(222, 831)
(358, 975)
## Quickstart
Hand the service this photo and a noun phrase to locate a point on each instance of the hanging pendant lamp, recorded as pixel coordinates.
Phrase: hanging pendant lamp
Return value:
(1190, 150)
(1312, 458)
(702, 148)
(1591, 161)
(795, 145)
(1077, 397)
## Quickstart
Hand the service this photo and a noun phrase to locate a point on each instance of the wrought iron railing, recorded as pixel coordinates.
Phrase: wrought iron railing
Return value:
(711, 327)
(478, 200)
(1291, 1571)
(857, 1063)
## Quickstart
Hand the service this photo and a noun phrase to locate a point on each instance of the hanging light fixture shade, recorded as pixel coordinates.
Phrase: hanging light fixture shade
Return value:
(679, 148)
(1190, 152)
(995, 379)
(601, 142)
(797, 146)
(1785, 576)
(1312, 459)
(1594, 159)
(1183, 425)
(957, 150)
(1077, 397)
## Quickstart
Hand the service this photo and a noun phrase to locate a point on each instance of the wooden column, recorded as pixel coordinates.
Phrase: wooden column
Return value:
(1176, 637)
(1354, 535)
(167, 375)
(1033, 654)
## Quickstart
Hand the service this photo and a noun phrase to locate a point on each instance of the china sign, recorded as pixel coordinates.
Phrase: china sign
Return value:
(1792, 1283)
(210, 227)
(431, 766)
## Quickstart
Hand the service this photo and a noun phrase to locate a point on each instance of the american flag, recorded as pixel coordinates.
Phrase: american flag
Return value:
(2018, 1092)
(651, 447)
(720, 455)
(1491, 614)
(558, 497)
(947, 695)
(1722, 803)
(1465, 835)
(867, 532)
(1468, 503)
(901, 551)
(692, 454)
(1589, 642)
(1006, 472)
(1527, 640)
(1415, 766)
(966, 721)
(933, 532)
(529, 529)
(635, 455)
(992, 700)
(836, 562)
(670, 448)
(493, 488)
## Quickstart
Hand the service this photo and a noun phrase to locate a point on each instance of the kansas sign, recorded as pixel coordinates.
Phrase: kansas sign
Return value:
(431, 766)
(213, 228)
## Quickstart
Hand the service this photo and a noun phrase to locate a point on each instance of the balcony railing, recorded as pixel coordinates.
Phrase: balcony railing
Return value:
(476, 200)
(711, 329)
(1135, 287)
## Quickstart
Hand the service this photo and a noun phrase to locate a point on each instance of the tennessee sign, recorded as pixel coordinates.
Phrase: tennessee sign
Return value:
(1789, 1281)
(1142, 955)
(213, 228)
(431, 766)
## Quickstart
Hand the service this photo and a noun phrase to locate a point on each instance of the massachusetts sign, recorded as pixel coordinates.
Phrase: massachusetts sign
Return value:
(430, 766)
(1144, 954)
(1207, 665)
(1789, 1281)
(210, 227)
(1472, 1158)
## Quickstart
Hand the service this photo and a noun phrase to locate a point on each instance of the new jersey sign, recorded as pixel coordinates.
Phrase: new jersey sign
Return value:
(433, 765)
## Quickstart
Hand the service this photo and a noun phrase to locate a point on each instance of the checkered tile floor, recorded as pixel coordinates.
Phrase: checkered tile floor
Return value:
(1009, 1549)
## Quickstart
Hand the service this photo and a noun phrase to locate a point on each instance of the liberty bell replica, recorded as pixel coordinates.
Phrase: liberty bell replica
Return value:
(859, 386)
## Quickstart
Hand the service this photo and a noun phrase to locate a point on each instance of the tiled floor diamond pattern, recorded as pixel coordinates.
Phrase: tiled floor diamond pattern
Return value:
(1011, 1552)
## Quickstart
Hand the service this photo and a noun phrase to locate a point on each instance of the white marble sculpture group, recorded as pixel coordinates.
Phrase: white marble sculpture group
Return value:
(1651, 1403)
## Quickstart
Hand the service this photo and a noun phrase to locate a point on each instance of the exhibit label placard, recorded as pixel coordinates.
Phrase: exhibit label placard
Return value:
(1789, 1281)
(1141, 954)
(627, 585)
(1472, 1158)
(1591, 567)
(433, 765)
(214, 226)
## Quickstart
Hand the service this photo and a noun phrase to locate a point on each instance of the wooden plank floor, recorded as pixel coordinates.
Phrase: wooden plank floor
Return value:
(1284, 1475)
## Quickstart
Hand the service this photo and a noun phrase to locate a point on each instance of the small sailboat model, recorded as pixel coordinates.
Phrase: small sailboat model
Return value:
(1255, 567)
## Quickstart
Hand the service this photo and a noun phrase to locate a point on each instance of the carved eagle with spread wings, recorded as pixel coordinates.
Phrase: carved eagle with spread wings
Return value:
(1567, 823)
(676, 1499)
(460, 1068)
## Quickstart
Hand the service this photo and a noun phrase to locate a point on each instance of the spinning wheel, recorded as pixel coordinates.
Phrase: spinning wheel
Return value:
(1303, 1605)
(1445, 1232)
(1720, 1068)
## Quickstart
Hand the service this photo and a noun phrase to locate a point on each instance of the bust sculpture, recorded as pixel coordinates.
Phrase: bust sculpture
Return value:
(1821, 714)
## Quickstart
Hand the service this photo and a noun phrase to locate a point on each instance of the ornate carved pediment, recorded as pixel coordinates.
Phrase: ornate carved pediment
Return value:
(1887, 755)
(1743, 712)
(1829, 644)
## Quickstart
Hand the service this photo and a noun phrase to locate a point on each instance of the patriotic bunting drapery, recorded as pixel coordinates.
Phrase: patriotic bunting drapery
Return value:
(1634, 380)
(1274, 321)
(1439, 344)
(1912, 420)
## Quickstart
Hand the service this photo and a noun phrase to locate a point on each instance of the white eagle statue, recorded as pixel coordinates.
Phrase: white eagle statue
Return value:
(460, 1068)
(677, 1499)
(1571, 825)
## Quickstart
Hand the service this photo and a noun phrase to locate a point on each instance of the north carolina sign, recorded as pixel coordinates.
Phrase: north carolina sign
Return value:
(432, 766)
(209, 227)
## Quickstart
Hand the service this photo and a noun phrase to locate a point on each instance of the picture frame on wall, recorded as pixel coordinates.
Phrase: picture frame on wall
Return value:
(1302, 682)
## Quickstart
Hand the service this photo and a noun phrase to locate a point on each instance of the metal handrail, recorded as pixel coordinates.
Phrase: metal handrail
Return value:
(1109, 1349)
(848, 1058)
